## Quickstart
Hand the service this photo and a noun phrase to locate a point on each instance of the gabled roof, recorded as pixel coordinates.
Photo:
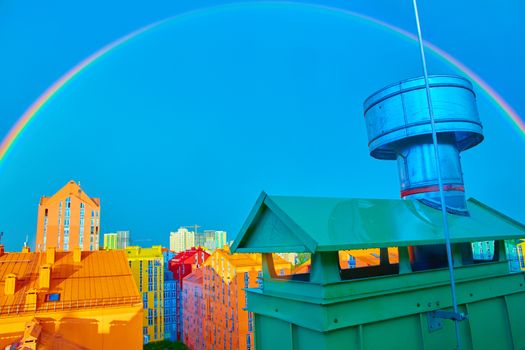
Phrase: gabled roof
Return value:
(70, 189)
(306, 224)
(188, 256)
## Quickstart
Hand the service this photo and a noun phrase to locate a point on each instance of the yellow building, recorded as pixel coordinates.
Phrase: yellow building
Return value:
(147, 269)
(68, 300)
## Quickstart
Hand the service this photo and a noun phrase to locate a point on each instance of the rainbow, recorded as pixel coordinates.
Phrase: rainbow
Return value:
(32, 111)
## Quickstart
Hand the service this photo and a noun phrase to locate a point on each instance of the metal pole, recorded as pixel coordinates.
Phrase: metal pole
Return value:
(440, 182)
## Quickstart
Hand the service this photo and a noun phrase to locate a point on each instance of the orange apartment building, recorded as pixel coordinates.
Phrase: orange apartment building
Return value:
(365, 257)
(226, 323)
(68, 219)
(68, 300)
(354, 259)
(193, 306)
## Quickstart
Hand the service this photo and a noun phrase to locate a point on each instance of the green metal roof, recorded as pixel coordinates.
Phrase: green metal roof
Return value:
(307, 224)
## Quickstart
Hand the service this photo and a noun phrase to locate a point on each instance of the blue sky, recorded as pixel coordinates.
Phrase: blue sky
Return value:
(190, 121)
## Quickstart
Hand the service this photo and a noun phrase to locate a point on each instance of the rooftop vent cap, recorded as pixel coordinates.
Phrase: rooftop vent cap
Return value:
(50, 255)
(77, 255)
(399, 128)
(10, 284)
(45, 276)
(31, 298)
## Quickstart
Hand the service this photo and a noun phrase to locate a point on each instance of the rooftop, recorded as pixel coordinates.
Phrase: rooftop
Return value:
(70, 189)
(100, 278)
(308, 224)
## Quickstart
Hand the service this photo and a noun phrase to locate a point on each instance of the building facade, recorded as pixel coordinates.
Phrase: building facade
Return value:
(117, 240)
(181, 266)
(110, 241)
(226, 323)
(194, 313)
(200, 239)
(68, 300)
(214, 239)
(148, 272)
(68, 219)
(292, 258)
(170, 293)
(182, 240)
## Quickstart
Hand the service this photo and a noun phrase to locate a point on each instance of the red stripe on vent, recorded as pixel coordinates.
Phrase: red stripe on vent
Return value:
(433, 188)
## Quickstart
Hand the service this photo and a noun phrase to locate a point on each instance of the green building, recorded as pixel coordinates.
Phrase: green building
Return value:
(117, 240)
(110, 241)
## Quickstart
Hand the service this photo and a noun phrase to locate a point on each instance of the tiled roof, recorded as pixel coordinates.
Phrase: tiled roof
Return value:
(182, 257)
(101, 278)
(248, 259)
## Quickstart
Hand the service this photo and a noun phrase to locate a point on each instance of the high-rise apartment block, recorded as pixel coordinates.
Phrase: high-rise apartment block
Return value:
(110, 241)
(200, 239)
(182, 240)
(148, 271)
(210, 239)
(116, 240)
(194, 310)
(171, 289)
(182, 265)
(226, 323)
(68, 219)
(214, 239)
(68, 300)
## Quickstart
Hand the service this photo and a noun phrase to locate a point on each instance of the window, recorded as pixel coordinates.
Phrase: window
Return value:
(248, 342)
(145, 300)
(483, 250)
(53, 297)
(81, 233)
(246, 279)
(45, 229)
(520, 256)
(140, 275)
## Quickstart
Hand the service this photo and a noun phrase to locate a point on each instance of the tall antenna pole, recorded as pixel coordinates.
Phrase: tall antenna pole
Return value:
(440, 182)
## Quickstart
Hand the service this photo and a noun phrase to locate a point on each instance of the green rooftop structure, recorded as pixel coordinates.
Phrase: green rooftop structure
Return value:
(438, 295)
(388, 306)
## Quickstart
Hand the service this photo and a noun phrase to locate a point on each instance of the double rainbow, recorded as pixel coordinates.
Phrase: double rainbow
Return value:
(32, 111)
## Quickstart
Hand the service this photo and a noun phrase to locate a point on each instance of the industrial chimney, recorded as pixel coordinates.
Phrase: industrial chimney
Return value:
(399, 128)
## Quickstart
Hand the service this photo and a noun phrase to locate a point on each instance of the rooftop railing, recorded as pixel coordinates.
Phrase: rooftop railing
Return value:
(67, 305)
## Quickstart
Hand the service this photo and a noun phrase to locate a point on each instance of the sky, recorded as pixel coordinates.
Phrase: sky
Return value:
(188, 122)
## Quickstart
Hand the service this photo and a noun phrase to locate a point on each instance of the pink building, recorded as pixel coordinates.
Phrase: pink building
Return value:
(193, 306)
